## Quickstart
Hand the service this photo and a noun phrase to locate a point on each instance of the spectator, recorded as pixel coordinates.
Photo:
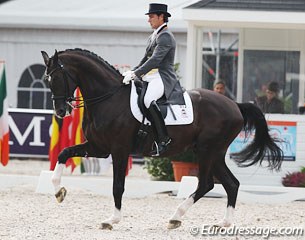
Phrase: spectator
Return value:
(220, 87)
(270, 103)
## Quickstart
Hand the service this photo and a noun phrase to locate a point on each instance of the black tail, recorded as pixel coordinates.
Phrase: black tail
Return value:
(263, 146)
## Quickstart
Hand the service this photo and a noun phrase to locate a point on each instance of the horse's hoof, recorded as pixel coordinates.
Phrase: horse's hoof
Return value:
(223, 224)
(106, 226)
(173, 224)
(61, 194)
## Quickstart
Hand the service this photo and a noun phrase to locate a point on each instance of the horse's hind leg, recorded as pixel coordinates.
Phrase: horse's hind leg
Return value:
(175, 220)
(205, 184)
(231, 185)
(74, 151)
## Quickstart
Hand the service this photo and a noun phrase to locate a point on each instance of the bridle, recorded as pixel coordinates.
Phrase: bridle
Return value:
(68, 98)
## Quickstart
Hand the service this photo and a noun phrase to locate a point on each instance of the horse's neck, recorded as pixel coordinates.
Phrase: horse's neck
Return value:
(98, 84)
(105, 113)
(94, 79)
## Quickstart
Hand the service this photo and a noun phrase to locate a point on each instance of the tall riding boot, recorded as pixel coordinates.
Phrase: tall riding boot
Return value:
(159, 124)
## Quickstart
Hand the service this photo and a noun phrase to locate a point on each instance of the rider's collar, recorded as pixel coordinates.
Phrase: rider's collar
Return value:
(156, 31)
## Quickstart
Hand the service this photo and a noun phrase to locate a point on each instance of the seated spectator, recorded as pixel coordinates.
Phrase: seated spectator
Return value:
(220, 87)
(271, 103)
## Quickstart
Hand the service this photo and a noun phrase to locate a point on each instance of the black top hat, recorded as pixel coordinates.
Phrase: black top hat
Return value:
(158, 8)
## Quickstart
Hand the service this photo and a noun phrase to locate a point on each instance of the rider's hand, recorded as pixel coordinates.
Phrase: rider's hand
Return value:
(128, 76)
(127, 73)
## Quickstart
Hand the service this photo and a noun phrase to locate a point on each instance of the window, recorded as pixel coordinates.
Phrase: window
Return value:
(32, 91)
(220, 60)
(264, 66)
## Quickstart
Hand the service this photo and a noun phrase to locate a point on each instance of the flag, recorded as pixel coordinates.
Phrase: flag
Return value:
(76, 136)
(59, 139)
(4, 129)
(129, 165)
(66, 132)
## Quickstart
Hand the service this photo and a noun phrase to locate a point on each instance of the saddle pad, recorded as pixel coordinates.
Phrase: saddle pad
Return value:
(183, 113)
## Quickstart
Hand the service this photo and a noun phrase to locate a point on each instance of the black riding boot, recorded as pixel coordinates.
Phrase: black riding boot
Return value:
(160, 129)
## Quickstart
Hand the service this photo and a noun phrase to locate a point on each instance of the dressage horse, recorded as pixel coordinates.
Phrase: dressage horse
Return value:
(110, 128)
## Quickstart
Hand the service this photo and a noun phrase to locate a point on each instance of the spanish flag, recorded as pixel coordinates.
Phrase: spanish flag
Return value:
(4, 129)
(66, 132)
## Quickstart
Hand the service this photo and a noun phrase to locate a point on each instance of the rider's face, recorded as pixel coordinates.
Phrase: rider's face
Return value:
(155, 20)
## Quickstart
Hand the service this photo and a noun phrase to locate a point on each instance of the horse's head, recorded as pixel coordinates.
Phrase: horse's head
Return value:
(60, 83)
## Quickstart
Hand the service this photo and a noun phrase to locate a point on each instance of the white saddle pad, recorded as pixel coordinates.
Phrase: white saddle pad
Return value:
(183, 113)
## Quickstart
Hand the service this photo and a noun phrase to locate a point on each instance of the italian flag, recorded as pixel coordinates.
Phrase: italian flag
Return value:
(4, 129)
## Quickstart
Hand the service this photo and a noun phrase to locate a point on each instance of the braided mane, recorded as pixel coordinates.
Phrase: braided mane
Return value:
(94, 57)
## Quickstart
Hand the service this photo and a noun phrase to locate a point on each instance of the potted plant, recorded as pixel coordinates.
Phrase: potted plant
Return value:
(184, 164)
(159, 168)
(295, 179)
(173, 168)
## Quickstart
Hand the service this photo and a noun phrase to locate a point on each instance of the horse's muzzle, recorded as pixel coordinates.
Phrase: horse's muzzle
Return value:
(60, 112)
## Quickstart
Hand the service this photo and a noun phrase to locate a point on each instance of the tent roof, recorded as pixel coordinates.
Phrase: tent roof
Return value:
(263, 5)
(89, 14)
(278, 14)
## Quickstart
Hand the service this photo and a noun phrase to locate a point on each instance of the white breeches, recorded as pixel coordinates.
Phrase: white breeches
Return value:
(155, 89)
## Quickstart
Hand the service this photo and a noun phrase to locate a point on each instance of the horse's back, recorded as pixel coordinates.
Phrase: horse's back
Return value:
(215, 113)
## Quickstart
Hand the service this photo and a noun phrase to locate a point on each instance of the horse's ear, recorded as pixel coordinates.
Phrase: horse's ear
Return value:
(55, 57)
(45, 57)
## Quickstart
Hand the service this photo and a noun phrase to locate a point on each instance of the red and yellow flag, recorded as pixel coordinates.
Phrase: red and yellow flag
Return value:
(66, 132)
(77, 136)
(4, 129)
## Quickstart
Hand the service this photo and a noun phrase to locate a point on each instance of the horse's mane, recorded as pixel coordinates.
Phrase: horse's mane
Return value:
(94, 57)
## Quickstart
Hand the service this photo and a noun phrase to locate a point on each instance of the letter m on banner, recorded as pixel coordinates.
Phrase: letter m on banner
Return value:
(4, 129)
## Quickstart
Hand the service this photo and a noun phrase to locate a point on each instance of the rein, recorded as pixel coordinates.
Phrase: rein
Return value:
(69, 99)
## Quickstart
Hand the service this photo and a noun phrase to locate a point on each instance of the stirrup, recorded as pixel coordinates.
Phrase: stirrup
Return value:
(160, 147)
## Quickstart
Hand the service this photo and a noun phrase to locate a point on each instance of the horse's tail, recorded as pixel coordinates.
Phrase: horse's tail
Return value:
(263, 145)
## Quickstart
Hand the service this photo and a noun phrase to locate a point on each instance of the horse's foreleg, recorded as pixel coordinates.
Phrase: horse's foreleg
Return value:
(60, 192)
(231, 185)
(119, 170)
(74, 151)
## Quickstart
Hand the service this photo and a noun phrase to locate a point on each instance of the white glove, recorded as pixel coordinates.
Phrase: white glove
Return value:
(129, 75)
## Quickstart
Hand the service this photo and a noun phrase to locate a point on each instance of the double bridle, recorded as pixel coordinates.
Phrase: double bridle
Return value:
(69, 99)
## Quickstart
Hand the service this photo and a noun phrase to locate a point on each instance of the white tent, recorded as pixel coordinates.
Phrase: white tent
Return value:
(115, 30)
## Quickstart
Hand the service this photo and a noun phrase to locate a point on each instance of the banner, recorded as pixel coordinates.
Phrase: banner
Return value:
(284, 131)
(29, 132)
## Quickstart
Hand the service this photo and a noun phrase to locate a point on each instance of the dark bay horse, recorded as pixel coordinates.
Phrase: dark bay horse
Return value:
(110, 128)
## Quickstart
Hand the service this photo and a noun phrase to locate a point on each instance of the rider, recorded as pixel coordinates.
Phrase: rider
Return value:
(157, 68)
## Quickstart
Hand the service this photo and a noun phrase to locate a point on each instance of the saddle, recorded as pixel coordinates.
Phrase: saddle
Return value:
(163, 104)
